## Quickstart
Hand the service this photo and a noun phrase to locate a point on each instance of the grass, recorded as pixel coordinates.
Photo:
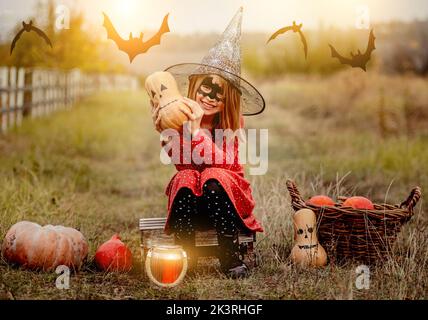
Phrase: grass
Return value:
(96, 167)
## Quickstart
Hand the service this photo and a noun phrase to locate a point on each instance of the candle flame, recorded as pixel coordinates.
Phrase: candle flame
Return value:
(171, 256)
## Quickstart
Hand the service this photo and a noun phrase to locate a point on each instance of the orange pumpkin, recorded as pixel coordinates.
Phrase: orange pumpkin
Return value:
(358, 203)
(162, 90)
(44, 248)
(321, 201)
(114, 255)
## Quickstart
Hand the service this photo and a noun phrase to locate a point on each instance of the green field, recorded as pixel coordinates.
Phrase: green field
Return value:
(96, 167)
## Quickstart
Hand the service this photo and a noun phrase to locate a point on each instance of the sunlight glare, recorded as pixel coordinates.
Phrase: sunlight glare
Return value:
(125, 7)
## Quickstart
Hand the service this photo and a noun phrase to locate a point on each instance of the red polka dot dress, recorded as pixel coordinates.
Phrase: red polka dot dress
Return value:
(209, 161)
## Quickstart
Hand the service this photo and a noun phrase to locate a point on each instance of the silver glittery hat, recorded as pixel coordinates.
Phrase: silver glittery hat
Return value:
(224, 59)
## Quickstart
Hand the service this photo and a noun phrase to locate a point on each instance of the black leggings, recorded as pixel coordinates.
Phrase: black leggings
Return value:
(212, 209)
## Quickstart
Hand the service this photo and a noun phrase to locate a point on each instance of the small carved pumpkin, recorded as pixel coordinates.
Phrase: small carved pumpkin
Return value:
(162, 89)
(44, 248)
(307, 250)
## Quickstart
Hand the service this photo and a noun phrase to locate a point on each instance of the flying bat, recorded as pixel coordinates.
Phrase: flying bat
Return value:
(28, 27)
(358, 60)
(134, 46)
(294, 28)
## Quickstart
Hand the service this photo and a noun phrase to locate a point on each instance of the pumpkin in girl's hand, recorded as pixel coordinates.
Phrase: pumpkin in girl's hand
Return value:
(44, 248)
(162, 90)
(321, 201)
(358, 203)
(114, 255)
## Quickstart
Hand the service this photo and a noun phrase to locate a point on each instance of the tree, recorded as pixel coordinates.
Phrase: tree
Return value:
(72, 48)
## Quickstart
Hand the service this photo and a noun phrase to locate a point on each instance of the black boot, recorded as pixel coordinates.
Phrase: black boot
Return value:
(225, 219)
(230, 261)
(189, 247)
(184, 211)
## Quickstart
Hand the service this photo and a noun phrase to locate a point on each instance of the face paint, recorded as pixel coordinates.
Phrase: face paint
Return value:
(210, 89)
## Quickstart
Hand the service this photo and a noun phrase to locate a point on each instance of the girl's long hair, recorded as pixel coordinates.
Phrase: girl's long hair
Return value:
(229, 118)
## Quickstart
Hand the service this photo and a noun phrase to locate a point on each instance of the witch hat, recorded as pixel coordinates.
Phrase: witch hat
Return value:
(224, 59)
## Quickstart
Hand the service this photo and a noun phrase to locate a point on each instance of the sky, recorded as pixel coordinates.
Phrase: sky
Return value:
(190, 16)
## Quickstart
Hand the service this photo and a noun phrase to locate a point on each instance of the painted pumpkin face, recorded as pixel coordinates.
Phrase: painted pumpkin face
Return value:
(163, 91)
(305, 226)
(155, 96)
(307, 251)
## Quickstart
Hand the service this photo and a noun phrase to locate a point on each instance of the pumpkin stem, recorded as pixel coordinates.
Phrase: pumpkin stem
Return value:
(116, 236)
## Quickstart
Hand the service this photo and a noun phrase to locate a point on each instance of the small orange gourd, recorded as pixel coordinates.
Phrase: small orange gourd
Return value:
(321, 200)
(114, 255)
(358, 202)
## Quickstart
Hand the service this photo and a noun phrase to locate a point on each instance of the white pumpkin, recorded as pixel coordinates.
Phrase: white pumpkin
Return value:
(44, 248)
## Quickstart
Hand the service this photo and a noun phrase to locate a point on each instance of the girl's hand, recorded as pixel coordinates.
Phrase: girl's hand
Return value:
(195, 115)
(156, 117)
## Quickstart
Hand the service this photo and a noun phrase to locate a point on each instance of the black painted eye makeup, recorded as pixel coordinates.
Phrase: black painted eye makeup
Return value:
(205, 89)
(211, 90)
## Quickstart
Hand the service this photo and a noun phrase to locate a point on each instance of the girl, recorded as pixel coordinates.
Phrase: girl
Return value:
(204, 194)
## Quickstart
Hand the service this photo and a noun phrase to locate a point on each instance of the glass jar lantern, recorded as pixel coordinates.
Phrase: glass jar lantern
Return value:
(166, 265)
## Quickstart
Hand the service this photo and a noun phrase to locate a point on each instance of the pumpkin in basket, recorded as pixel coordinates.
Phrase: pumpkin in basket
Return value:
(321, 200)
(44, 248)
(358, 202)
(163, 91)
(361, 235)
(307, 251)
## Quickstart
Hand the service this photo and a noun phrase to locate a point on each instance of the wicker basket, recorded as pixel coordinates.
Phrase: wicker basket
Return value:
(362, 235)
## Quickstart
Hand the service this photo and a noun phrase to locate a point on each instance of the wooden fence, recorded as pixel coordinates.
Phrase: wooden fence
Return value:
(39, 92)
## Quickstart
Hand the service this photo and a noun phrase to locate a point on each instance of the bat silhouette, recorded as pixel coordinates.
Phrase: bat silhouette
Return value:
(294, 28)
(358, 60)
(134, 46)
(28, 27)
